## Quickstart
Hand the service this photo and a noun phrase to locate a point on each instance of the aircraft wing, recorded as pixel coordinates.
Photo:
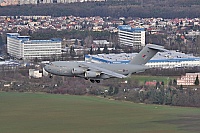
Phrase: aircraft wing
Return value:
(102, 70)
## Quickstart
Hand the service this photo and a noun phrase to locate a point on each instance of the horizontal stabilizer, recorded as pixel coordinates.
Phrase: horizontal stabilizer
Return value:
(157, 47)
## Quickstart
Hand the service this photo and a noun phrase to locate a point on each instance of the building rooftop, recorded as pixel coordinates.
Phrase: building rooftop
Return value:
(26, 39)
(129, 28)
(169, 56)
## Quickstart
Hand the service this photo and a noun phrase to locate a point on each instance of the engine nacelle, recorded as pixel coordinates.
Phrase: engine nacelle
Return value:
(91, 74)
(78, 70)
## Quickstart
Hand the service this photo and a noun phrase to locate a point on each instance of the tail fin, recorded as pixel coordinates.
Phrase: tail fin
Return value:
(146, 54)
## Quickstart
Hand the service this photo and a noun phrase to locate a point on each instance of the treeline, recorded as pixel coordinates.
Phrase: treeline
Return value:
(113, 8)
(47, 34)
(163, 96)
(132, 90)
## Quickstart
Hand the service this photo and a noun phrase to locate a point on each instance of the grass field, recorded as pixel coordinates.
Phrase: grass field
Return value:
(46, 113)
(143, 78)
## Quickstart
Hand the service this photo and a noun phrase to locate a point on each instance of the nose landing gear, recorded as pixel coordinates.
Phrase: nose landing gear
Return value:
(50, 76)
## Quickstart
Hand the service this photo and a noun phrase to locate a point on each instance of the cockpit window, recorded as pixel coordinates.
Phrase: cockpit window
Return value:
(53, 64)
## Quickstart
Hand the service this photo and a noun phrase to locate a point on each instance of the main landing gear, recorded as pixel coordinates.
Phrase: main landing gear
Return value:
(98, 81)
(92, 80)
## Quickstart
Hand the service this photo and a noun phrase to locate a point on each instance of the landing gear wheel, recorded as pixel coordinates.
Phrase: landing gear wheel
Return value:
(92, 80)
(51, 76)
(98, 81)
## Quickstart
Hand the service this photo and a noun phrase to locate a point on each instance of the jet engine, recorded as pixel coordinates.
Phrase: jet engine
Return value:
(78, 70)
(91, 74)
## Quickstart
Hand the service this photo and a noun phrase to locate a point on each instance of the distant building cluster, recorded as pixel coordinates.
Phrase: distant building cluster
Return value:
(131, 34)
(23, 2)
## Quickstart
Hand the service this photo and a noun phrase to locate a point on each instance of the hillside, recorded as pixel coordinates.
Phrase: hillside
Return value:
(47, 113)
(113, 8)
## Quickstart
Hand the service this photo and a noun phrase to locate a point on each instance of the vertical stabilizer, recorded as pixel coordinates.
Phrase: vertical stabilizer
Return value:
(146, 54)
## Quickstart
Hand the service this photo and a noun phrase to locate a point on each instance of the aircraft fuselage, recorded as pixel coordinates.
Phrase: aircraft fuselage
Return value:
(65, 68)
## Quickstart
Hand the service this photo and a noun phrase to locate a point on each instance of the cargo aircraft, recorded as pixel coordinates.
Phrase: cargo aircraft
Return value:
(95, 72)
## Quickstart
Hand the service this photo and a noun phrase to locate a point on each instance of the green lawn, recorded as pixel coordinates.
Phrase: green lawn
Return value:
(143, 78)
(46, 113)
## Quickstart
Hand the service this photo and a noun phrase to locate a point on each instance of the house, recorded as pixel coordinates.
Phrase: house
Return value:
(187, 79)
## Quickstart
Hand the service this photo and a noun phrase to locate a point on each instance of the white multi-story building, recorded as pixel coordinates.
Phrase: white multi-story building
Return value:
(188, 79)
(22, 47)
(131, 36)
